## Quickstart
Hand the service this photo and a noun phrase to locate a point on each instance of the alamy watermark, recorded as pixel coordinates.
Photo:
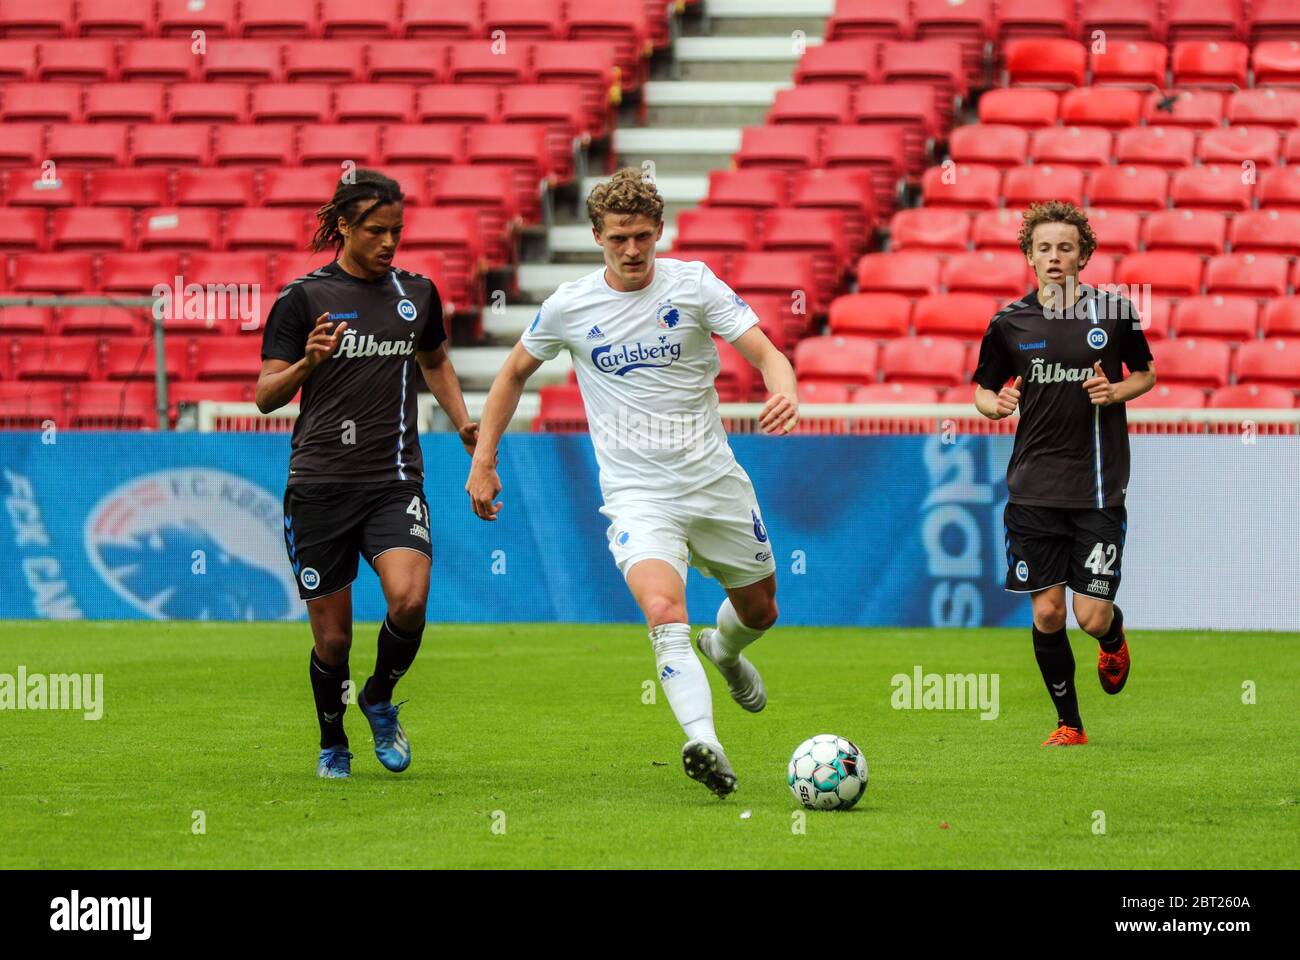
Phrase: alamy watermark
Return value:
(946, 691)
(56, 691)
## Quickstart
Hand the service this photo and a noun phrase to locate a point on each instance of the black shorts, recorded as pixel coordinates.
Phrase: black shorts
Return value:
(327, 524)
(1082, 549)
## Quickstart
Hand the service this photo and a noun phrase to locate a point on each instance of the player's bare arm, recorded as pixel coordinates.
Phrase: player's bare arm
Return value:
(443, 383)
(997, 406)
(1103, 393)
(780, 413)
(483, 484)
(280, 380)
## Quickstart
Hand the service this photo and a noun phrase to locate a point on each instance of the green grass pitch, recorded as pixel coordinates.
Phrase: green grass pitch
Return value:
(533, 748)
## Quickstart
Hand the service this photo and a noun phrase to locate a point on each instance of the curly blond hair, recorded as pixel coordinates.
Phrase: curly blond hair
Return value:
(630, 191)
(1057, 211)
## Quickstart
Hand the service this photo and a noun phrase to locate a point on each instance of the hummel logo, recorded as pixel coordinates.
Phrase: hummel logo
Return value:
(595, 334)
(330, 717)
(395, 673)
(1058, 689)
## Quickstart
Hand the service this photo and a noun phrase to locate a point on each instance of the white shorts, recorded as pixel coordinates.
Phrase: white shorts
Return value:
(717, 529)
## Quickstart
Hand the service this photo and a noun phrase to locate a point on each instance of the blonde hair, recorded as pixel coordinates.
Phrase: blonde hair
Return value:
(1057, 211)
(629, 192)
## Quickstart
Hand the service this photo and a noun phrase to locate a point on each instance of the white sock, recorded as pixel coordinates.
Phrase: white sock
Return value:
(733, 636)
(684, 681)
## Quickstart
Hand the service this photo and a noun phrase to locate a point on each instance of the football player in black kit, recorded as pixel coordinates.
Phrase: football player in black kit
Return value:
(353, 335)
(1063, 348)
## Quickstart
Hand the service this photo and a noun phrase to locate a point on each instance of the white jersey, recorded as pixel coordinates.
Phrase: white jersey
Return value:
(646, 362)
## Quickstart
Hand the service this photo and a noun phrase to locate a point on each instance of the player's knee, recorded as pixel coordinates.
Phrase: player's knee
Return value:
(664, 609)
(764, 616)
(333, 645)
(406, 613)
(1049, 617)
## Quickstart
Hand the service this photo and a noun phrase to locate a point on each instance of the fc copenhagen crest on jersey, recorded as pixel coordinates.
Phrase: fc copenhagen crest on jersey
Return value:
(406, 310)
(667, 315)
(193, 544)
(1097, 338)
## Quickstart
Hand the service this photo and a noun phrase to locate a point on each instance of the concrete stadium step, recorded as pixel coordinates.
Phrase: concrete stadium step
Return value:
(477, 367)
(705, 103)
(679, 193)
(737, 58)
(677, 151)
(732, 18)
(503, 325)
(537, 281)
(575, 244)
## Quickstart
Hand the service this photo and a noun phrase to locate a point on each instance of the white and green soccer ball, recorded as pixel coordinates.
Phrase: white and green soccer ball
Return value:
(827, 772)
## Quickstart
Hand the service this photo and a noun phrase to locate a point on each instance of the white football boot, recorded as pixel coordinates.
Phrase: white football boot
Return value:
(743, 681)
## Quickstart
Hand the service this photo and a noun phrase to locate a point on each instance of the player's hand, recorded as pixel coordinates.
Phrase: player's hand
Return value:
(469, 437)
(1100, 390)
(322, 343)
(779, 414)
(483, 486)
(1009, 398)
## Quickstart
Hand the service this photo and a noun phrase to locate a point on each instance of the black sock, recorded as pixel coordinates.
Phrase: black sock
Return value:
(396, 654)
(1113, 639)
(1056, 661)
(327, 684)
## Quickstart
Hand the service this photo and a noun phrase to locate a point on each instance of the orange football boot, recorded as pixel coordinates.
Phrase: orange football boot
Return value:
(1066, 736)
(1112, 668)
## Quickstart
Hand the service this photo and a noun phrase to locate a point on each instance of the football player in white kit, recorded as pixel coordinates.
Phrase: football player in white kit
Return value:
(640, 333)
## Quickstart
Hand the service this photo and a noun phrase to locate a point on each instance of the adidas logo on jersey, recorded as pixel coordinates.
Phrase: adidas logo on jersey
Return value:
(367, 345)
(1041, 372)
(595, 334)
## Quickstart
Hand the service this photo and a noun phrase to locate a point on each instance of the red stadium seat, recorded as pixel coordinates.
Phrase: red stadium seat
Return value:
(820, 104)
(962, 315)
(46, 188)
(1210, 188)
(23, 145)
(57, 358)
(1046, 61)
(1272, 20)
(1216, 318)
(137, 273)
(336, 144)
(778, 148)
(847, 191)
(107, 321)
(228, 268)
(561, 409)
(1168, 147)
(1279, 188)
(41, 103)
(91, 229)
(348, 20)
(1260, 146)
(169, 145)
(1155, 317)
(298, 186)
(938, 63)
(113, 18)
(1269, 361)
(442, 19)
(236, 358)
(247, 61)
(87, 145)
(524, 19)
(1117, 231)
(1122, 20)
(1164, 396)
(997, 145)
(1211, 63)
(27, 230)
(814, 392)
(968, 24)
(1101, 107)
(124, 103)
(113, 406)
(374, 103)
(843, 61)
(1029, 109)
(264, 229)
(286, 19)
(588, 64)
(882, 315)
(1266, 107)
(1260, 275)
(158, 61)
(624, 27)
(453, 235)
(1129, 187)
(208, 103)
(216, 18)
(322, 61)
(51, 19)
(819, 233)
(872, 19)
(895, 393)
(989, 272)
(875, 150)
(489, 191)
(25, 321)
(909, 274)
(461, 104)
(415, 143)
(996, 230)
(1131, 63)
(135, 358)
(1173, 274)
(1184, 108)
(1266, 232)
(961, 186)
(1022, 186)
(1204, 20)
(216, 187)
(475, 61)
(1101, 270)
(1191, 362)
(1276, 62)
(836, 359)
(560, 109)
(180, 228)
(77, 61)
(1281, 317)
(406, 61)
(1252, 396)
(910, 104)
(1197, 231)
(788, 275)
(519, 148)
(306, 103)
(929, 230)
(1021, 19)
(717, 228)
(1083, 147)
(930, 361)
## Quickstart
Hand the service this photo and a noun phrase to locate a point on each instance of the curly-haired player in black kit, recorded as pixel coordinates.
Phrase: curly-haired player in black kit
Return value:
(1065, 522)
(347, 335)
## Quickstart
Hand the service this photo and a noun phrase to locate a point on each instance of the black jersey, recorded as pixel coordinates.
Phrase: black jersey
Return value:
(357, 419)
(1068, 452)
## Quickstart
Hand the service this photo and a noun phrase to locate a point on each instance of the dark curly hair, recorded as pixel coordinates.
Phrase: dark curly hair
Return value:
(1057, 211)
(353, 202)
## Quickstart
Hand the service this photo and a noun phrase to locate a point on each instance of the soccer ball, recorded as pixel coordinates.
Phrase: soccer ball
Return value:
(827, 772)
